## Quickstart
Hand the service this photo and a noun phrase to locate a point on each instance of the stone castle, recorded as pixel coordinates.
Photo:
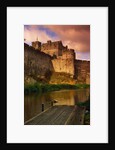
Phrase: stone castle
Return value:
(52, 48)
(44, 59)
(63, 58)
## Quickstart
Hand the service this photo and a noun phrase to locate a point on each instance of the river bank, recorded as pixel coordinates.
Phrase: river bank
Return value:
(86, 104)
(41, 88)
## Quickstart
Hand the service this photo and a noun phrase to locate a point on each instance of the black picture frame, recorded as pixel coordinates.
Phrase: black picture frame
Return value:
(3, 12)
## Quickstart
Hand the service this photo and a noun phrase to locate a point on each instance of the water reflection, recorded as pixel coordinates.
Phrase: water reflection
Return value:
(34, 103)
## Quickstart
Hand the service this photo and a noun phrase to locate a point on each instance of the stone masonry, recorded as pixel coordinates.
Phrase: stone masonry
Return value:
(54, 57)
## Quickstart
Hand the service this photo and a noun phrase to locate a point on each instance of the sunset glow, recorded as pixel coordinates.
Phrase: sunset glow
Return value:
(76, 37)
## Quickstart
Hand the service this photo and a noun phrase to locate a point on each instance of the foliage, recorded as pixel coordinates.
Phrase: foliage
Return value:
(87, 119)
(82, 104)
(87, 113)
(38, 87)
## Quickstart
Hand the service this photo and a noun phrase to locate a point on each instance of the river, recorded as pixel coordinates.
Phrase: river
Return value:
(36, 103)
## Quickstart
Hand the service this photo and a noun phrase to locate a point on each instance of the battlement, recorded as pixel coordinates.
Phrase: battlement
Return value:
(68, 51)
(68, 54)
(55, 48)
(52, 45)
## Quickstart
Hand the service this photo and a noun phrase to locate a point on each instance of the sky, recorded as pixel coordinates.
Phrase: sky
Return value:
(77, 37)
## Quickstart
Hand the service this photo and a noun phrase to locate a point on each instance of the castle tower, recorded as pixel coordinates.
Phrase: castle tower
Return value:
(36, 44)
(68, 54)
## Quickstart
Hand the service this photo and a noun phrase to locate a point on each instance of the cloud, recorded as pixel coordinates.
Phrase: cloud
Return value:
(83, 55)
(31, 33)
(77, 37)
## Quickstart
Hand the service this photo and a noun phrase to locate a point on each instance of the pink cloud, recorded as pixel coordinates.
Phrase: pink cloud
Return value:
(33, 33)
(75, 36)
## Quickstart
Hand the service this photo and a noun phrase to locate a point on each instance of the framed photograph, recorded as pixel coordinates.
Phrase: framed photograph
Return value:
(57, 75)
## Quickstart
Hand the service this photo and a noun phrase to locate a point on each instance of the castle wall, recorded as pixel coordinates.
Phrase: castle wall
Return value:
(63, 65)
(82, 71)
(47, 46)
(51, 52)
(39, 65)
(53, 48)
(68, 54)
(36, 45)
(36, 64)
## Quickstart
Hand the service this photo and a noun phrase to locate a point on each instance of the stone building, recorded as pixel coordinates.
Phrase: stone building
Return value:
(62, 60)
(51, 48)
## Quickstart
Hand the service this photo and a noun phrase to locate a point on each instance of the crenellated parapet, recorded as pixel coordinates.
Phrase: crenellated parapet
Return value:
(68, 54)
(63, 62)
(51, 48)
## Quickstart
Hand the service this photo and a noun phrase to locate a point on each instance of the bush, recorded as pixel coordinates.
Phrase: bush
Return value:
(87, 114)
(37, 87)
(87, 119)
(85, 104)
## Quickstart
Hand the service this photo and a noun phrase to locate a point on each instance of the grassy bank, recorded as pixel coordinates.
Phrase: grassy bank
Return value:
(87, 118)
(87, 112)
(41, 88)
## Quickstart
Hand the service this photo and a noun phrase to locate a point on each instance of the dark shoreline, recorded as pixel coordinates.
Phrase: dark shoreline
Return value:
(42, 88)
(86, 104)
